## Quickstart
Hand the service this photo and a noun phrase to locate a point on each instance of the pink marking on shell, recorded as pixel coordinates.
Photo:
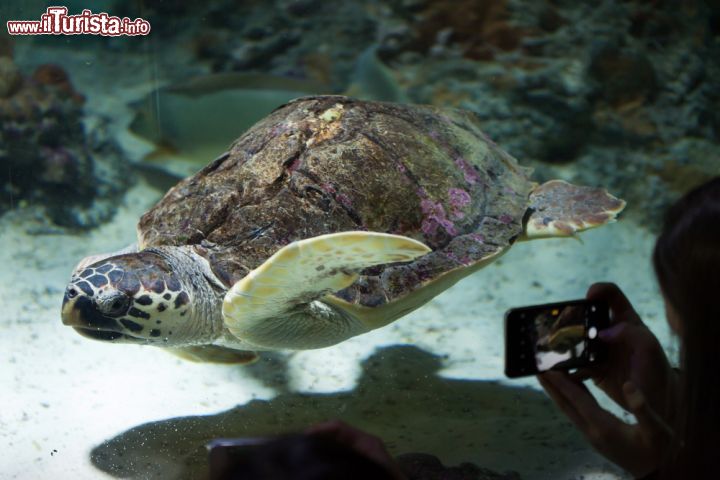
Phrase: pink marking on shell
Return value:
(452, 257)
(339, 197)
(464, 260)
(459, 198)
(278, 129)
(328, 188)
(294, 165)
(435, 217)
(428, 227)
(478, 237)
(506, 219)
(429, 207)
(449, 227)
(343, 199)
(471, 176)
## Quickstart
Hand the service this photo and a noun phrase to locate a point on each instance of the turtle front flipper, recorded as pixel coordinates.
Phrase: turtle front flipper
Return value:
(560, 209)
(276, 305)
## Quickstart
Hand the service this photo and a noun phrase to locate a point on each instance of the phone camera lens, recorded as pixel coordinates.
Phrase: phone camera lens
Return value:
(592, 333)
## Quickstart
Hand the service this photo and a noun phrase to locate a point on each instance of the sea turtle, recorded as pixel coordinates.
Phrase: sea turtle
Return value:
(329, 218)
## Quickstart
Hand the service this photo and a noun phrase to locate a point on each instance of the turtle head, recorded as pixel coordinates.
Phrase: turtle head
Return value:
(130, 298)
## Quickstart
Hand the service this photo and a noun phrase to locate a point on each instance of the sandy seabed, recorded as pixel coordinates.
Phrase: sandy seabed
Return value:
(431, 382)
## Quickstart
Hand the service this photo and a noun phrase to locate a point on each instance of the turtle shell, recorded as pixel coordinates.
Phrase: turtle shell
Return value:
(327, 164)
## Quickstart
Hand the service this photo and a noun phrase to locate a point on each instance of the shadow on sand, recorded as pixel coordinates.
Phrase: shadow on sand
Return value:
(400, 398)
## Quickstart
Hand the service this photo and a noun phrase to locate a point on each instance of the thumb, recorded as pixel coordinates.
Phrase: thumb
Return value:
(648, 420)
(623, 333)
(618, 333)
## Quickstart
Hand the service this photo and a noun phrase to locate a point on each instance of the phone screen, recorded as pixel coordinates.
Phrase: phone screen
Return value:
(556, 336)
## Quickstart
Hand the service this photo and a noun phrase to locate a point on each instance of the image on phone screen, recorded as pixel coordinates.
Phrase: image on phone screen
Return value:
(558, 336)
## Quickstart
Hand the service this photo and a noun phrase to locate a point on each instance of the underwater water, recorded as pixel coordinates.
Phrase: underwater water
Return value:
(95, 129)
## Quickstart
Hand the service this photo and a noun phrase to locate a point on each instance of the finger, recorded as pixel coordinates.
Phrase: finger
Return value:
(651, 424)
(330, 426)
(582, 374)
(619, 304)
(343, 433)
(591, 415)
(362, 442)
(562, 399)
(604, 430)
(597, 374)
(337, 430)
(624, 333)
(616, 334)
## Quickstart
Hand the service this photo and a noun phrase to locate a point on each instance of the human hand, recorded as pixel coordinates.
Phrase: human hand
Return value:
(360, 441)
(636, 448)
(636, 375)
(634, 355)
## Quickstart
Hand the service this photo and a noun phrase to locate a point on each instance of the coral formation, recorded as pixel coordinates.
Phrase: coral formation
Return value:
(289, 38)
(49, 162)
(478, 27)
(10, 78)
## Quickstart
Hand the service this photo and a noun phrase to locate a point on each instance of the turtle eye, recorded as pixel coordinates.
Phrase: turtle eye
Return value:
(115, 305)
(72, 292)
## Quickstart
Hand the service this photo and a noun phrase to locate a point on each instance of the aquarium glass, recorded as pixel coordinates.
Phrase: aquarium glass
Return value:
(105, 105)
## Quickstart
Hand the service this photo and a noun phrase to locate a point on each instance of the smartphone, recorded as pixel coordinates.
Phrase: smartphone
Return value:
(555, 336)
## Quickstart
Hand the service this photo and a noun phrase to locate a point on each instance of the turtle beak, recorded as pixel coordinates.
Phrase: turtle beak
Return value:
(70, 315)
(80, 313)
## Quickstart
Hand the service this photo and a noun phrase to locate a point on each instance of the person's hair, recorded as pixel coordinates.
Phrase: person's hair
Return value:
(302, 457)
(687, 265)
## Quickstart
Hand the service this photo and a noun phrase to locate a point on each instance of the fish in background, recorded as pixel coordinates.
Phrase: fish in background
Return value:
(373, 80)
(193, 122)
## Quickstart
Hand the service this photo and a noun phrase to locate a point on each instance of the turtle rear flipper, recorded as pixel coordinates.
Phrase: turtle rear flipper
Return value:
(213, 354)
(275, 305)
(560, 209)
